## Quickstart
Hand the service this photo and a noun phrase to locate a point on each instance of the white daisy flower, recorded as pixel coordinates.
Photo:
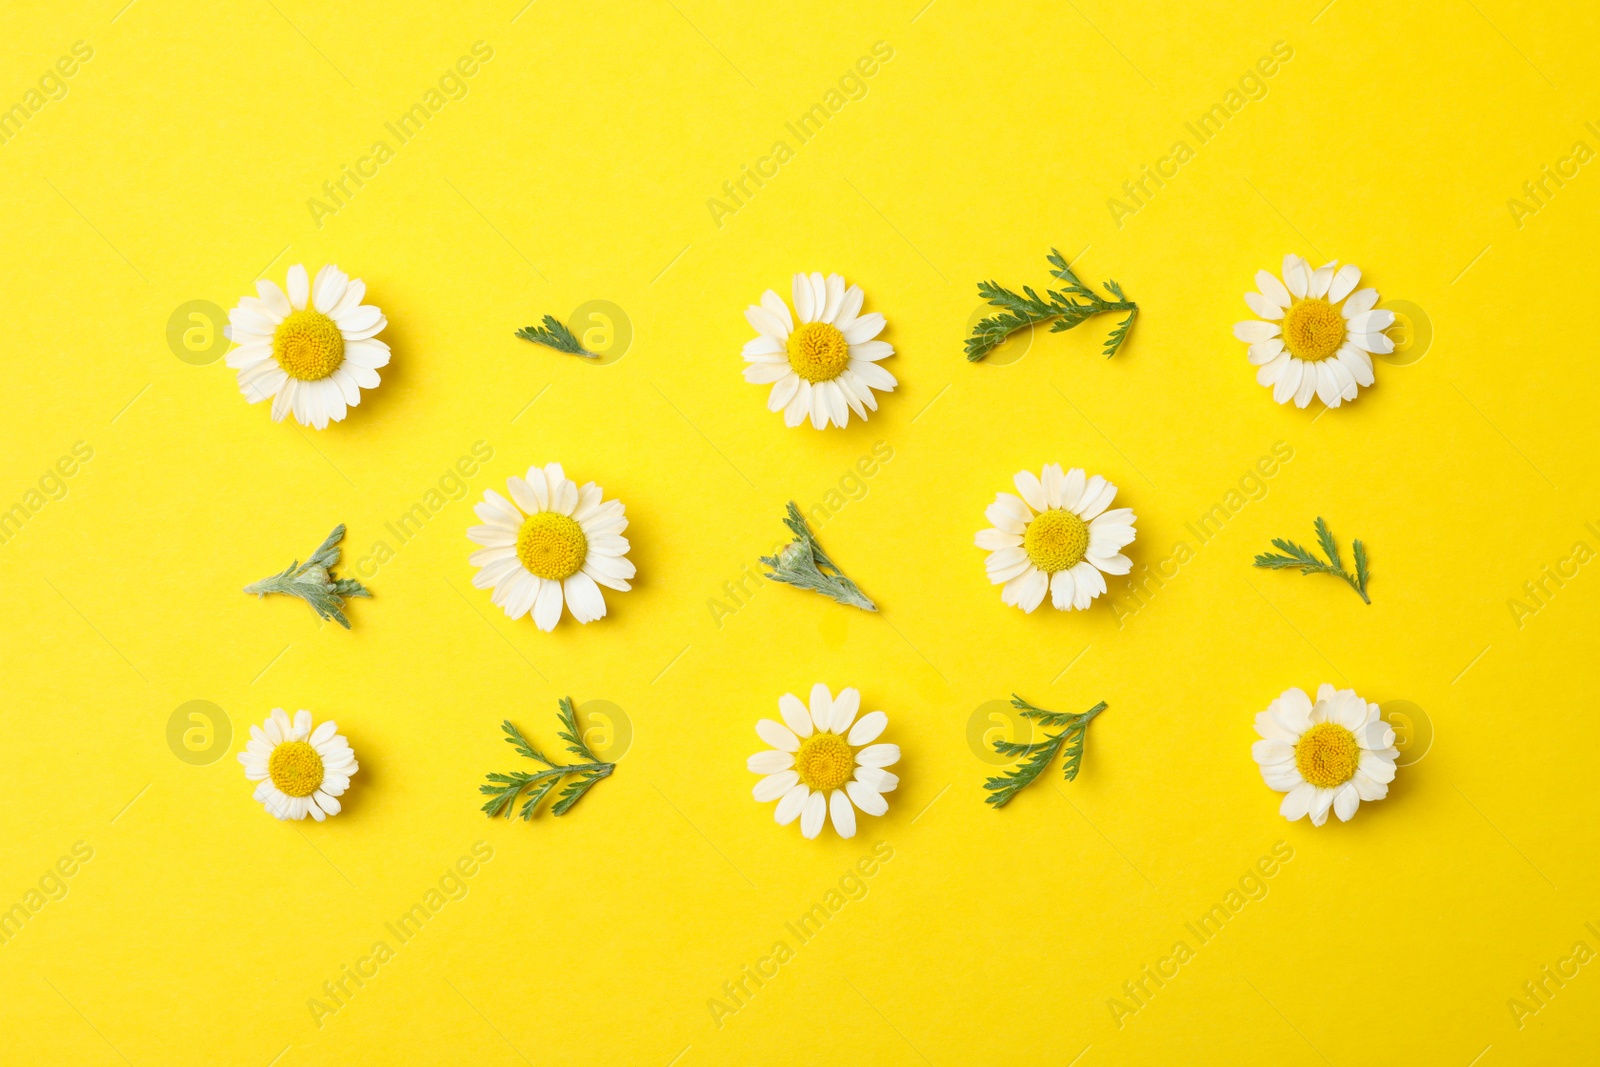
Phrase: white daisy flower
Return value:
(556, 544)
(310, 360)
(826, 367)
(1309, 345)
(301, 770)
(1331, 754)
(820, 764)
(1058, 536)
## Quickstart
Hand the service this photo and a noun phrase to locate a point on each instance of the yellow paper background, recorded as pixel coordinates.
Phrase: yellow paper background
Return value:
(577, 167)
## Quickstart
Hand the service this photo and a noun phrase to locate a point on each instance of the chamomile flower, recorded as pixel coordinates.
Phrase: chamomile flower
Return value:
(823, 762)
(310, 352)
(551, 543)
(301, 771)
(827, 366)
(1305, 343)
(1056, 536)
(1331, 754)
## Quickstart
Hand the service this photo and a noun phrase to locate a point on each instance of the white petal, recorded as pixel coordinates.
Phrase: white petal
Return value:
(869, 801)
(299, 286)
(547, 606)
(844, 816)
(867, 728)
(583, 598)
(821, 706)
(1265, 351)
(845, 706)
(804, 304)
(1251, 331)
(1361, 300)
(273, 298)
(877, 779)
(812, 815)
(777, 735)
(1273, 289)
(770, 762)
(789, 807)
(1343, 282)
(329, 289)
(1297, 801)
(878, 756)
(774, 305)
(795, 715)
(774, 786)
(1345, 801)
(1321, 278)
(1062, 590)
(1296, 275)
(1372, 342)
(1371, 321)
(1262, 306)
(864, 328)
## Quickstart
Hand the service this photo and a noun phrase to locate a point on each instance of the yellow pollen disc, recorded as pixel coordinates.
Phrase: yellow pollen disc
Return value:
(1056, 540)
(308, 345)
(818, 352)
(295, 768)
(1327, 755)
(552, 545)
(825, 762)
(1313, 329)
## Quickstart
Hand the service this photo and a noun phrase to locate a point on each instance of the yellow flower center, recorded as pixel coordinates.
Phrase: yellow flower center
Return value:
(825, 761)
(818, 352)
(308, 345)
(1327, 755)
(1313, 329)
(1056, 540)
(552, 546)
(295, 768)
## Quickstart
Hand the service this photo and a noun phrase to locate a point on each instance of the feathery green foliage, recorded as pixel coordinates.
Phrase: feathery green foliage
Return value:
(313, 582)
(801, 563)
(1040, 753)
(1308, 563)
(1027, 308)
(503, 789)
(554, 335)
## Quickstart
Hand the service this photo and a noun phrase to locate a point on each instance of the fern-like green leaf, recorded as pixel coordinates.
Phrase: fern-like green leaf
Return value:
(1305, 561)
(1060, 307)
(503, 789)
(313, 581)
(1003, 788)
(555, 335)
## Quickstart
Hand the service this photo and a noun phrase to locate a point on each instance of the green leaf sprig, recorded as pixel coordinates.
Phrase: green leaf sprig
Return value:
(803, 563)
(503, 789)
(1308, 563)
(313, 581)
(554, 335)
(1029, 307)
(1040, 753)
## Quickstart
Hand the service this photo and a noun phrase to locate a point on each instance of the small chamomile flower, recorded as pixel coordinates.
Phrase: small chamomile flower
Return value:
(302, 771)
(827, 366)
(552, 543)
(823, 762)
(1315, 333)
(1057, 537)
(1332, 754)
